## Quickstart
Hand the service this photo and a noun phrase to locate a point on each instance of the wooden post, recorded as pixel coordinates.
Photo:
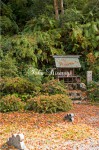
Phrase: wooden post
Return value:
(89, 77)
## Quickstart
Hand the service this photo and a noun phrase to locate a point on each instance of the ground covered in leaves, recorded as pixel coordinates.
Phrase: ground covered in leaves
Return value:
(51, 132)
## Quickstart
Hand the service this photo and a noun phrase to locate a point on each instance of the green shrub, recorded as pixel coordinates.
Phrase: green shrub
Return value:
(10, 103)
(17, 85)
(8, 67)
(53, 87)
(24, 97)
(34, 75)
(49, 104)
(93, 91)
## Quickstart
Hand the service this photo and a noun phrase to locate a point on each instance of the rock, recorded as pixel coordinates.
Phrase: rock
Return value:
(69, 117)
(17, 140)
(83, 97)
(82, 86)
(20, 137)
(72, 119)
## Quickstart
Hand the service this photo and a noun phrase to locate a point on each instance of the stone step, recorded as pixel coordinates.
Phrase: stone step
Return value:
(76, 86)
(77, 95)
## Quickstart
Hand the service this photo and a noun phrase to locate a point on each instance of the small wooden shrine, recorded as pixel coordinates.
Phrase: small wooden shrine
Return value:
(65, 68)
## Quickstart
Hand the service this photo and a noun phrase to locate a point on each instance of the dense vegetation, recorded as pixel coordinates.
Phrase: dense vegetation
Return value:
(34, 30)
(49, 104)
(93, 92)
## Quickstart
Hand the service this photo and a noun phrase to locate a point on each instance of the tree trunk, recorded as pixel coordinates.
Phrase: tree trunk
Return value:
(62, 8)
(56, 9)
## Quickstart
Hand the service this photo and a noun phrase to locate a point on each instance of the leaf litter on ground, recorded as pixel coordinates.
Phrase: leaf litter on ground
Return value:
(50, 131)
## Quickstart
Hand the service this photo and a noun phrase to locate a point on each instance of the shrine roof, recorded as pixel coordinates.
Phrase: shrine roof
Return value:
(68, 61)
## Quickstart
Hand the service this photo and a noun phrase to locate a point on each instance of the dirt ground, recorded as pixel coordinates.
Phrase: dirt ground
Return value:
(51, 132)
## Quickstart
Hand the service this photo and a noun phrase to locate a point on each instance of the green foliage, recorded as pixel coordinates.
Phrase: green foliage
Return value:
(10, 103)
(35, 51)
(20, 49)
(39, 35)
(40, 7)
(18, 85)
(8, 67)
(47, 78)
(85, 36)
(91, 10)
(72, 15)
(49, 104)
(93, 61)
(25, 97)
(78, 4)
(47, 35)
(93, 91)
(34, 75)
(43, 23)
(23, 48)
(18, 10)
(7, 23)
(53, 87)
(83, 39)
